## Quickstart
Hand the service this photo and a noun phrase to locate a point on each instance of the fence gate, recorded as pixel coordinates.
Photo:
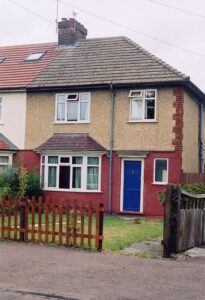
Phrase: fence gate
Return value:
(65, 222)
(184, 220)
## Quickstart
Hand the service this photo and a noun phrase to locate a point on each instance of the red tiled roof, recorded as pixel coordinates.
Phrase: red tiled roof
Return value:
(6, 144)
(71, 142)
(15, 72)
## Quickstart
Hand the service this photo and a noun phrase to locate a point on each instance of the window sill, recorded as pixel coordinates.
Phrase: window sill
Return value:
(66, 123)
(159, 183)
(142, 121)
(70, 191)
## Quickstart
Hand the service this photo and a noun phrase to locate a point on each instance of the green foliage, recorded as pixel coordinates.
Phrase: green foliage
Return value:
(9, 182)
(33, 185)
(23, 178)
(195, 188)
(25, 183)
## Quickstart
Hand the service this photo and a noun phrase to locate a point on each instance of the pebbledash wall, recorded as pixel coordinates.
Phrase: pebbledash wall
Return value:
(161, 139)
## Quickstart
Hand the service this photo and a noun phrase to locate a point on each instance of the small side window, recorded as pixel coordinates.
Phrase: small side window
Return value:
(161, 171)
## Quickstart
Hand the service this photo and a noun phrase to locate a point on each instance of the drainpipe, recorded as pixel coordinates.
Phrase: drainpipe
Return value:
(200, 138)
(112, 118)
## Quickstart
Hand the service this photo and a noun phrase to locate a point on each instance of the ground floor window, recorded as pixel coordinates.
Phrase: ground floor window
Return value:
(81, 173)
(161, 170)
(5, 162)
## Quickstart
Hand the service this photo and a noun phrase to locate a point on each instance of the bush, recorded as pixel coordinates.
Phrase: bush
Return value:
(195, 188)
(33, 185)
(25, 183)
(9, 182)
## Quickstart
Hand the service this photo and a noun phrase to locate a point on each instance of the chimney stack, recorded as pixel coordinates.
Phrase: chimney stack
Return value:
(70, 31)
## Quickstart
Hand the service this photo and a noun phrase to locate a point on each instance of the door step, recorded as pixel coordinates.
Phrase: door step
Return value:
(130, 213)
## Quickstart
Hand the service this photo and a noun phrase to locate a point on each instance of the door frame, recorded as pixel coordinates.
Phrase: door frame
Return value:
(122, 182)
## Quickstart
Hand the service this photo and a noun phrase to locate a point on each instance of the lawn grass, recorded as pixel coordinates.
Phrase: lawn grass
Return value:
(118, 232)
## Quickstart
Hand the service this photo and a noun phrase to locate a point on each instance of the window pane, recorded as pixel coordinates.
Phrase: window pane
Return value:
(136, 94)
(84, 97)
(61, 98)
(150, 94)
(3, 169)
(72, 97)
(93, 161)
(161, 170)
(65, 160)
(136, 109)
(84, 111)
(77, 160)
(4, 159)
(42, 175)
(43, 159)
(60, 111)
(64, 177)
(149, 109)
(52, 176)
(72, 114)
(53, 159)
(76, 182)
(92, 178)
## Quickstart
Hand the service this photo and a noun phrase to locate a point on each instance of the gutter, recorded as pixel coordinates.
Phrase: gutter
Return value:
(110, 154)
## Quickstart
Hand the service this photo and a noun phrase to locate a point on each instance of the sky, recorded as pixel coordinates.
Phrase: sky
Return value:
(175, 34)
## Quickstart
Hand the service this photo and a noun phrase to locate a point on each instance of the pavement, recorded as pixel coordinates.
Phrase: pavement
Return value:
(31, 272)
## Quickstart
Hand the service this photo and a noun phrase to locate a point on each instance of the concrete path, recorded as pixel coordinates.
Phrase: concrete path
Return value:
(153, 249)
(80, 275)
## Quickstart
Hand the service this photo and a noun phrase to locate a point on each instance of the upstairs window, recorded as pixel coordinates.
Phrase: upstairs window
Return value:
(35, 56)
(73, 107)
(142, 105)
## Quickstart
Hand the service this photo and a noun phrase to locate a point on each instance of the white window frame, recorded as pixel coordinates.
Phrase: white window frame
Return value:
(133, 98)
(10, 156)
(154, 169)
(83, 166)
(56, 121)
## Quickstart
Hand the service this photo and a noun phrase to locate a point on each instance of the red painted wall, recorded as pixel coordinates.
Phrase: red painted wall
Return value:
(27, 159)
(151, 204)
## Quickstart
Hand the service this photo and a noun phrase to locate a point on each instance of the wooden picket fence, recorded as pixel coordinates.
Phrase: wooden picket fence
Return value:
(184, 220)
(65, 222)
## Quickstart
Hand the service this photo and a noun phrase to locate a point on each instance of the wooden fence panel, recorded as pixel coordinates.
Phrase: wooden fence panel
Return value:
(189, 178)
(69, 223)
(184, 224)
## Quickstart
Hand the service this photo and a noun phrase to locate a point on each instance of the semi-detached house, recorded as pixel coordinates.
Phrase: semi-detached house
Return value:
(101, 118)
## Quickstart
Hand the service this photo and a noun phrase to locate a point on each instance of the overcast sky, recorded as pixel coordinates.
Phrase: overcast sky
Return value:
(143, 17)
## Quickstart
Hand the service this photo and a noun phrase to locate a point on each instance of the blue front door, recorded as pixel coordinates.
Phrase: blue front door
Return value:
(132, 185)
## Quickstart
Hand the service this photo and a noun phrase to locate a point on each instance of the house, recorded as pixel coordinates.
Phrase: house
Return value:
(105, 119)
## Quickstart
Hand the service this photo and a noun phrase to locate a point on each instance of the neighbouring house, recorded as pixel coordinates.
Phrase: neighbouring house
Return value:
(103, 119)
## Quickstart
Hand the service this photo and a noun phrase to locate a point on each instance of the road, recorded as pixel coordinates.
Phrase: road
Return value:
(34, 272)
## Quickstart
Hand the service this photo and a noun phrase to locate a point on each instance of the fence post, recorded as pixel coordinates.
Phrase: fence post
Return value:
(167, 222)
(101, 219)
(176, 220)
(22, 220)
